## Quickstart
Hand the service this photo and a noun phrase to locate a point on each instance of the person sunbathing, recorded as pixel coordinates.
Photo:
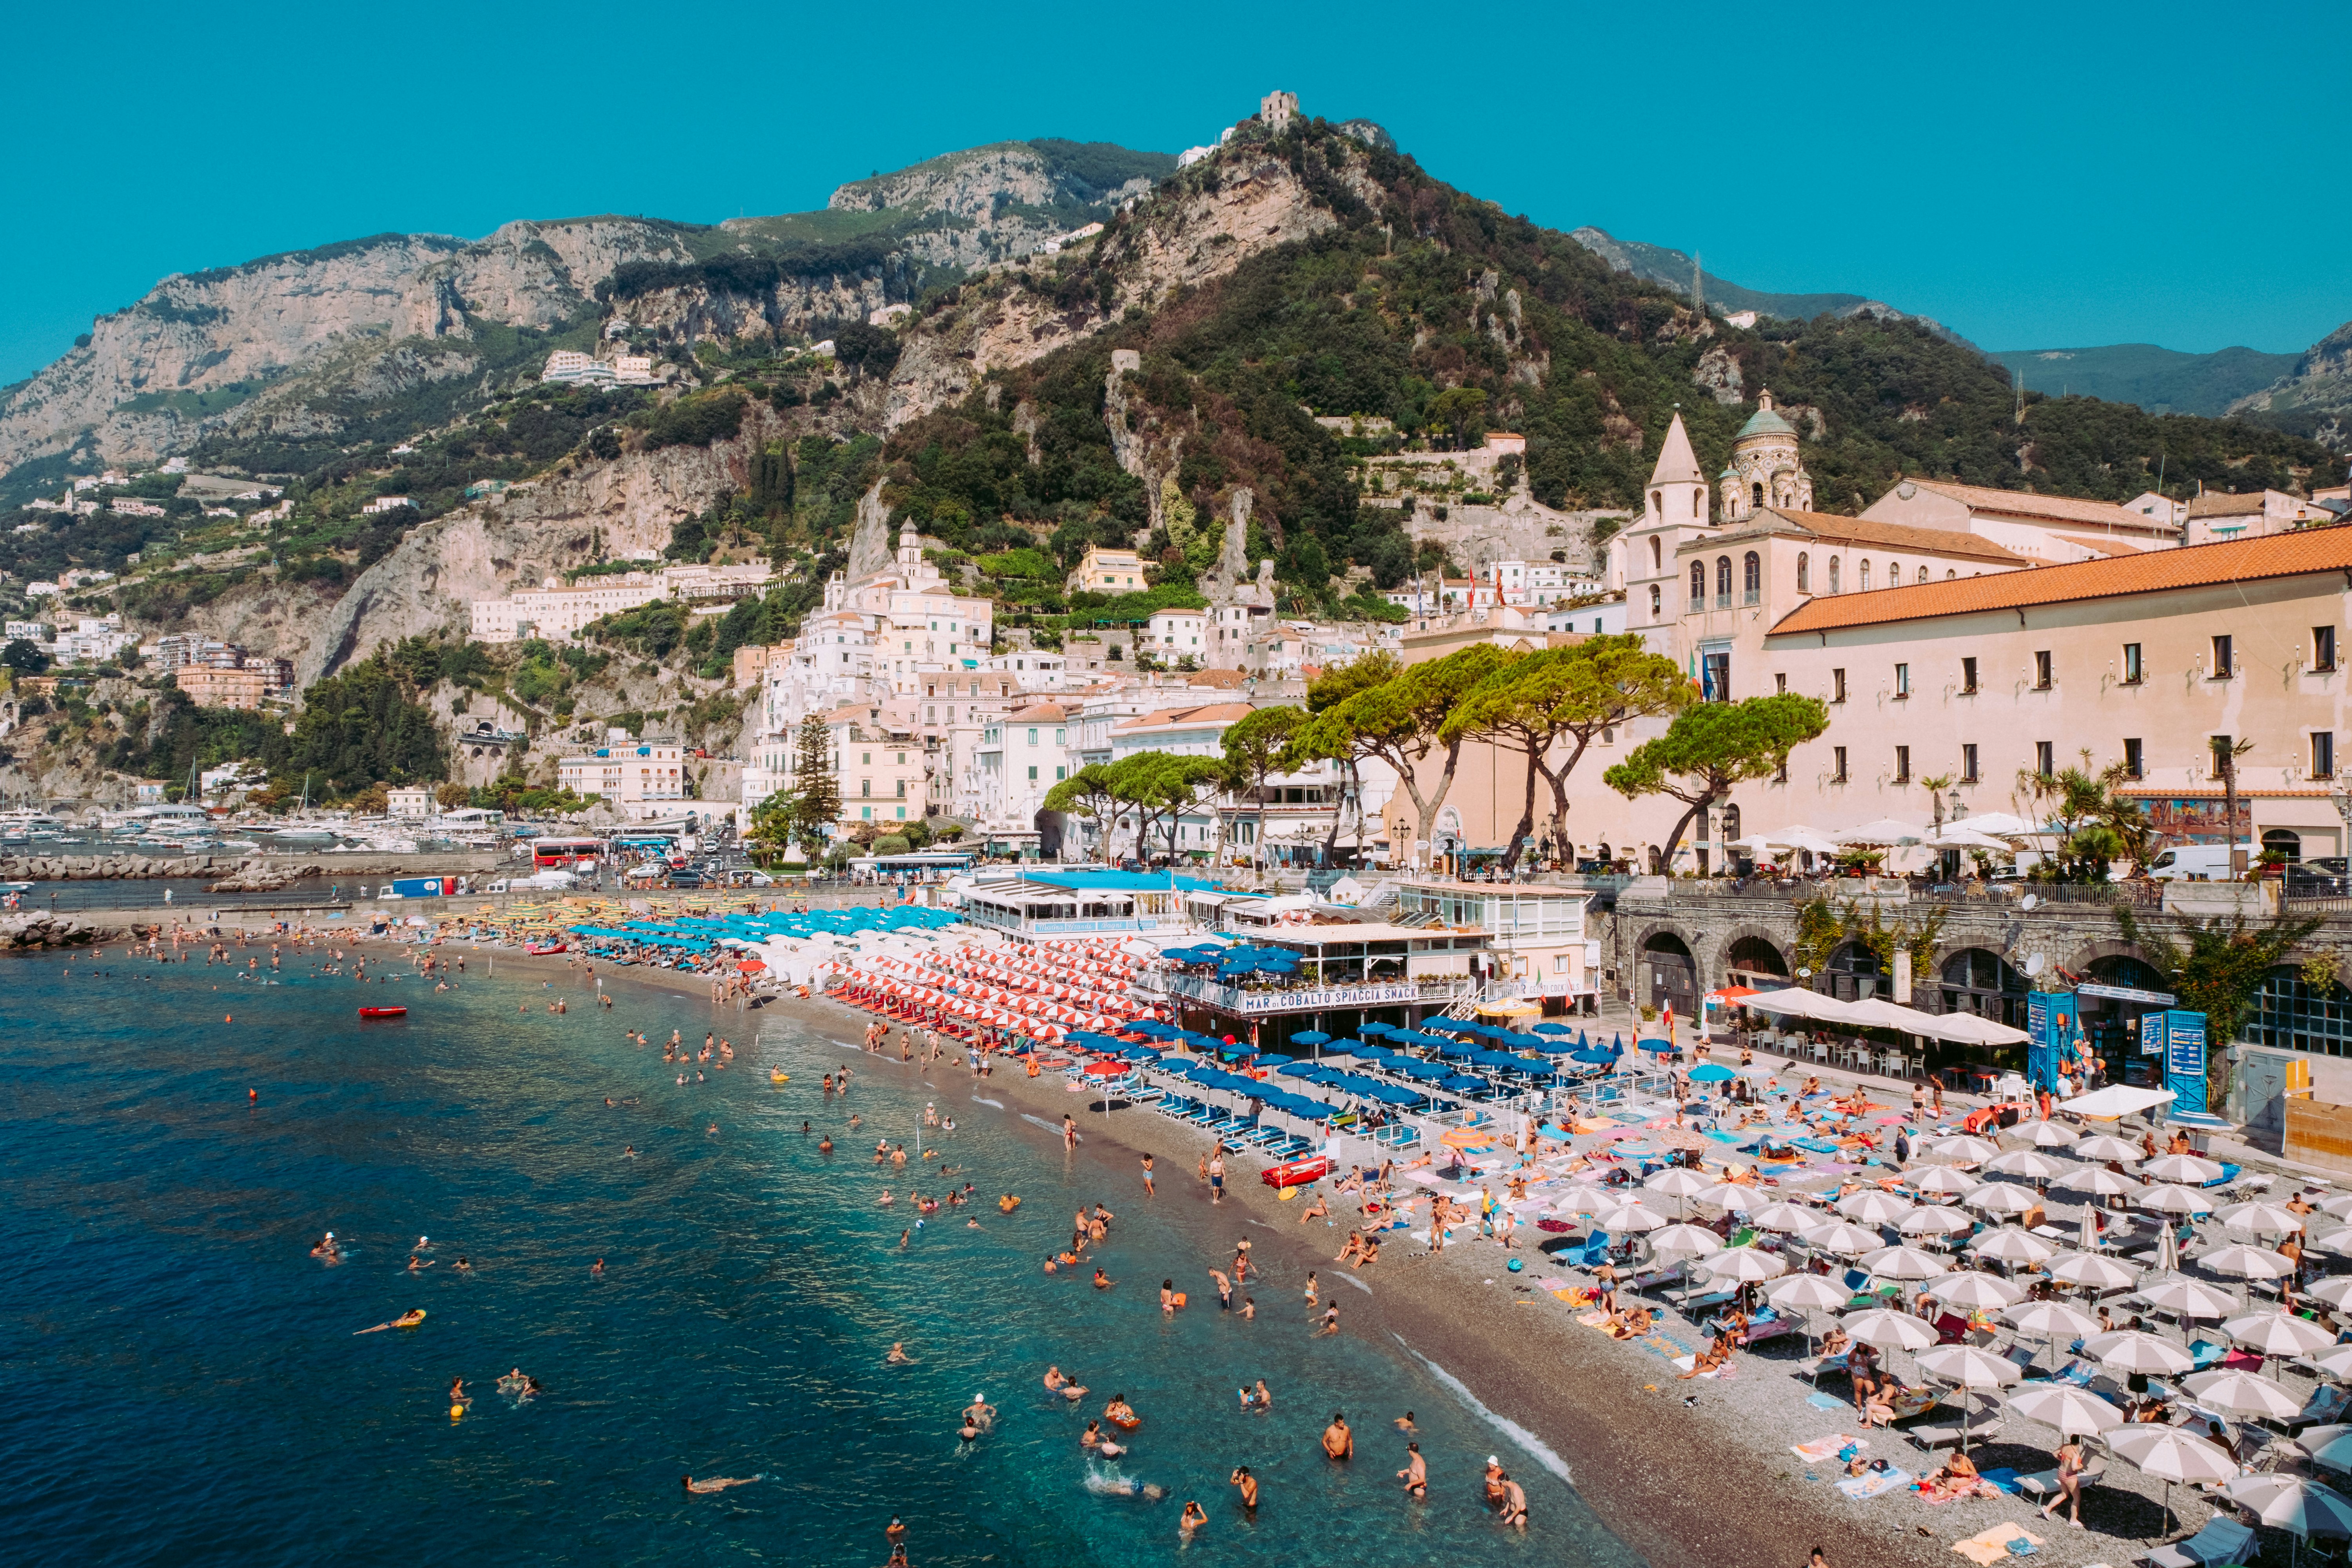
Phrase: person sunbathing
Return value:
(1355, 1248)
(1955, 1478)
(1630, 1325)
(1836, 1341)
(1713, 1357)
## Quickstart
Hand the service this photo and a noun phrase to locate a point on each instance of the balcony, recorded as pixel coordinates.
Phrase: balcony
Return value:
(1255, 1002)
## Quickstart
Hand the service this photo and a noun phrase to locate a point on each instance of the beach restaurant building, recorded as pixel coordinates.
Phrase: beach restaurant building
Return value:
(1349, 972)
(1045, 904)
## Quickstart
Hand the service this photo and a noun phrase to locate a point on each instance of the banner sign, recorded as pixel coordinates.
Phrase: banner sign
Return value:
(2050, 1028)
(2184, 1061)
(2126, 994)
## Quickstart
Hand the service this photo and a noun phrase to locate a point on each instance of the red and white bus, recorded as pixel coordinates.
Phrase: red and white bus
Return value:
(565, 853)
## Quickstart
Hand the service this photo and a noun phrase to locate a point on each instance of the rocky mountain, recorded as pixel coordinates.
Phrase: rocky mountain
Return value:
(1677, 271)
(2314, 397)
(392, 333)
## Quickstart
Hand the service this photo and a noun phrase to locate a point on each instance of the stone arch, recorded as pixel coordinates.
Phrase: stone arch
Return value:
(2080, 960)
(1666, 968)
(1746, 946)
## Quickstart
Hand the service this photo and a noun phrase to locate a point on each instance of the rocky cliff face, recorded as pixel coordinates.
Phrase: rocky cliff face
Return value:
(979, 193)
(202, 345)
(2315, 396)
(1184, 235)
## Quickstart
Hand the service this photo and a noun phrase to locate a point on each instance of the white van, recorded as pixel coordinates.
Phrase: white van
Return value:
(2196, 863)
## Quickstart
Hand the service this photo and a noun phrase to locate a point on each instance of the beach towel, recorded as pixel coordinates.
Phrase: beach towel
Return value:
(2002, 1479)
(1824, 1402)
(1828, 1447)
(1865, 1487)
(1987, 1547)
(1593, 1320)
(1665, 1347)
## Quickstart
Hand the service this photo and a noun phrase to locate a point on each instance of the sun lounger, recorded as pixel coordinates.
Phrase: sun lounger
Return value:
(2223, 1542)
(2208, 1354)
(2327, 1403)
(2044, 1485)
(1950, 1434)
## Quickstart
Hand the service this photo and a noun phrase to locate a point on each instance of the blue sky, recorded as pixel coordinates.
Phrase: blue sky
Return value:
(2036, 176)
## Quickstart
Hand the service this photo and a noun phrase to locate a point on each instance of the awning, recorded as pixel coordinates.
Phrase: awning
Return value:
(2116, 1100)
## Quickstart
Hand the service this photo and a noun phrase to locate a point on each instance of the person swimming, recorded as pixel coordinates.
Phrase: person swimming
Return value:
(717, 1483)
(1195, 1516)
(898, 1356)
(407, 1320)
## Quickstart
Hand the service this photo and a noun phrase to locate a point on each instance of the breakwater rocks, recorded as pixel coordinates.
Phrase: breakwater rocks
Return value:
(28, 930)
(107, 867)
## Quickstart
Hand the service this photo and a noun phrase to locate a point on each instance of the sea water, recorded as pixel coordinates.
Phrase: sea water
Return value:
(188, 1386)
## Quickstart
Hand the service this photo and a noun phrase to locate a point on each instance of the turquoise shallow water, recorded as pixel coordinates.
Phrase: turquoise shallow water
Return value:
(187, 1387)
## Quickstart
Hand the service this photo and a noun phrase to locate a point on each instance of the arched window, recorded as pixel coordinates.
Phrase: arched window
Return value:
(1729, 828)
(1757, 490)
(1804, 573)
(1923, 574)
(1833, 573)
(1722, 581)
(1949, 574)
(1698, 585)
(1863, 584)
(1894, 573)
(1658, 558)
(1657, 504)
(1698, 501)
(1654, 601)
(1752, 578)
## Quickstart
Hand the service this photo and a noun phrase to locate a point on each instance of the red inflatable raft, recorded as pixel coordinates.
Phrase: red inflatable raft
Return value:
(1298, 1173)
(384, 1012)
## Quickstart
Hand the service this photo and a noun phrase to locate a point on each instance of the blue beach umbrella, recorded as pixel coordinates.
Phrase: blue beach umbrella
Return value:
(1711, 1072)
(1552, 1028)
(1311, 1037)
(1274, 1059)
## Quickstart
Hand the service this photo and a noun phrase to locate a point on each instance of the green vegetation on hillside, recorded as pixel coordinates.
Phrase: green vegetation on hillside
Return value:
(2163, 381)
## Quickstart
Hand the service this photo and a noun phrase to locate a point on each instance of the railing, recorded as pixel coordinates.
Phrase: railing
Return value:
(1304, 998)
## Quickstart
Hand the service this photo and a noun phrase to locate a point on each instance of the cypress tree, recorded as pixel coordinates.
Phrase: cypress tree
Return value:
(816, 792)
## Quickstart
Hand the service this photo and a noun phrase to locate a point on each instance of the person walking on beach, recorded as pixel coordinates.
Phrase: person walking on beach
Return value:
(1217, 1177)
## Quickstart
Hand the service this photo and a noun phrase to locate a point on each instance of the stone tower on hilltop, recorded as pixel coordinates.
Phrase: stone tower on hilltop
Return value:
(1278, 109)
(1765, 467)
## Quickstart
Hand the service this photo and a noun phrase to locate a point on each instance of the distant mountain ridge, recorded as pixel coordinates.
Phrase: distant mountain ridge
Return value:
(2161, 380)
(1674, 270)
(2314, 397)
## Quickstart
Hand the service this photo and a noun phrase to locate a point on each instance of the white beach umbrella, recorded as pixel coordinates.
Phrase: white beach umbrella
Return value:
(2166, 1198)
(1843, 1238)
(1678, 1180)
(2335, 1363)
(1684, 1240)
(2334, 1290)
(1943, 1179)
(1588, 1200)
(2051, 1135)
(2135, 1350)
(1969, 1366)
(2048, 1319)
(2009, 1244)
(2337, 1204)
(1904, 1263)
(2337, 1240)
(1977, 1292)
(1805, 1292)
(2261, 1218)
(2330, 1446)
(2191, 1299)
(1635, 1217)
(1898, 1331)
(2238, 1392)
(1873, 1205)
(2002, 1198)
(2243, 1262)
(1935, 1222)
(1884, 833)
(1743, 1263)
(2278, 1333)
(2170, 1454)
(2099, 1180)
(1730, 1195)
(2107, 1146)
(2073, 1411)
(2184, 1168)
(1996, 824)
(2295, 1503)
(2031, 1164)
(2091, 1271)
(1972, 1149)
(1786, 1218)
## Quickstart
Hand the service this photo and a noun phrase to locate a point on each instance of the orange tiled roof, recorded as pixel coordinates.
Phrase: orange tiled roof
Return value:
(2226, 503)
(1213, 714)
(2103, 546)
(2324, 548)
(1834, 530)
(2024, 503)
(1039, 713)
